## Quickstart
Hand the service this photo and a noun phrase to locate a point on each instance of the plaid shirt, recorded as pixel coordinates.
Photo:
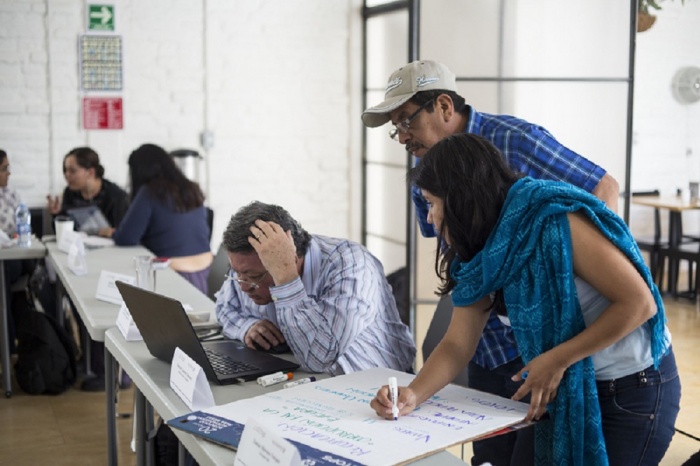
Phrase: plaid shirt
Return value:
(530, 150)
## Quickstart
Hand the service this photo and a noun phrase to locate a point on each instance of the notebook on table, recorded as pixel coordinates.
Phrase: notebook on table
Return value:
(164, 325)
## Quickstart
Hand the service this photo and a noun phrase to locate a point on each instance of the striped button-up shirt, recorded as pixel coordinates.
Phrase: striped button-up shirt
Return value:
(338, 317)
(530, 150)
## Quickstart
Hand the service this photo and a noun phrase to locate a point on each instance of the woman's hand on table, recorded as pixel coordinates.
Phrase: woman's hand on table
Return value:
(106, 232)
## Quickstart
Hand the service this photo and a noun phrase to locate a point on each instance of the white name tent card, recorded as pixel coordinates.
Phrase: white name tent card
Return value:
(68, 237)
(126, 325)
(261, 446)
(107, 289)
(76, 256)
(188, 380)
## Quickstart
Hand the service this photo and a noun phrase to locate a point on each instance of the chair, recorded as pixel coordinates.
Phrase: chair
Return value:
(689, 252)
(210, 221)
(217, 272)
(398, 280)
(652, 245)
(41, 221)
(437, 329)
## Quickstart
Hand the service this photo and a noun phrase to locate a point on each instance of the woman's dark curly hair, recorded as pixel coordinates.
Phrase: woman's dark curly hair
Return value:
(472, 179)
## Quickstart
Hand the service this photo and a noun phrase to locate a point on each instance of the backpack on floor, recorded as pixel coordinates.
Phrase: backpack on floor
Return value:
(45, 357)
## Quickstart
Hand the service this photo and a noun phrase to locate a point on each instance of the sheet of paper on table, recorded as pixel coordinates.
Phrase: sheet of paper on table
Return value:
(332, 418)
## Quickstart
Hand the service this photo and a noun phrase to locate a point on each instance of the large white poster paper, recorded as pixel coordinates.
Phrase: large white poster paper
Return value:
(333, 415)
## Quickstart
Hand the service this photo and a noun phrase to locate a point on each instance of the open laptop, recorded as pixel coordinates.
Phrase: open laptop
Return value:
(164, 325)
(89, 219)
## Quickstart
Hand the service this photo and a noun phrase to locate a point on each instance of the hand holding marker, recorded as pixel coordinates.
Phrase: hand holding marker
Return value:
(394, 395)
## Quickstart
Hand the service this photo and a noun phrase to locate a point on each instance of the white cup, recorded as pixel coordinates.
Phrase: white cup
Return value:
(62, 223)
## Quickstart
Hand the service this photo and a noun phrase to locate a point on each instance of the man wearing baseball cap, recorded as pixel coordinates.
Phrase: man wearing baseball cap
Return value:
(422, 103)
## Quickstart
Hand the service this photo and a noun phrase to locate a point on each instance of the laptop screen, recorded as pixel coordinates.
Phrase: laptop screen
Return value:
(151, 310)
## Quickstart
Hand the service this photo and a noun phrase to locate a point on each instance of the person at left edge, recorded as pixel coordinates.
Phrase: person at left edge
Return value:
(9, 201)
(327, 298)
(166, 215)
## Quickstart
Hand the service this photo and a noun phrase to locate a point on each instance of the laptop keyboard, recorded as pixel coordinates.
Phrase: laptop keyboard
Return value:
(226, 365)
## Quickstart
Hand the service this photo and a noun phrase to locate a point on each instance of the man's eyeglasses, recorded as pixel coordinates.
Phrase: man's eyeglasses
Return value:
(254, 285)
(405, 125)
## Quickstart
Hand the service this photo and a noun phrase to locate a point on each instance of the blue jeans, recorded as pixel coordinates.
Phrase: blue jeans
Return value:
(639, 413)
(515, 448)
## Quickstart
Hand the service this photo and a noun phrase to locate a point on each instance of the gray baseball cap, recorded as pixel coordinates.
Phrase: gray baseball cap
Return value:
(404, 83)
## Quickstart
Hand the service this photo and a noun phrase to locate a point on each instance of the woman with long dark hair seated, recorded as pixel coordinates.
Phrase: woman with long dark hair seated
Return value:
(166, 215)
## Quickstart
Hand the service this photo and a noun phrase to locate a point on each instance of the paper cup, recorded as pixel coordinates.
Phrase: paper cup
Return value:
(62, 223)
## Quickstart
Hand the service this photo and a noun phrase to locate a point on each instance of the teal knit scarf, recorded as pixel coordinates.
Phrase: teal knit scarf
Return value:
(529, 256)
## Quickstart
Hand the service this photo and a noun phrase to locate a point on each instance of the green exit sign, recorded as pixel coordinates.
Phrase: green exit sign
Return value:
(101, 18)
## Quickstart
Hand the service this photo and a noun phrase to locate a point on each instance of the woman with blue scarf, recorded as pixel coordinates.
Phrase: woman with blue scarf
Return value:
(566, 273)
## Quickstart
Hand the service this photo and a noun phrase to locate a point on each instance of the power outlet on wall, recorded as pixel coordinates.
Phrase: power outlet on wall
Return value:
(207, 139)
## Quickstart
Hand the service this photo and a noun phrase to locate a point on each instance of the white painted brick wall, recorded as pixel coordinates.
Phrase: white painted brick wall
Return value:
(280, 93)
(276, 92)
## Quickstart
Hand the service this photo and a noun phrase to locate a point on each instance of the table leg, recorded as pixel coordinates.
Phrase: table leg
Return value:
(150, 435)
(59, 293)
(4, 334)
(180, 454)
(674, 240)
(140, 420)
(87, 351)
(110, 385)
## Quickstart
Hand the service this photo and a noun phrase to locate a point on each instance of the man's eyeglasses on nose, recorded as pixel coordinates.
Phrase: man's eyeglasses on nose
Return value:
(405, 125)
(254, 285)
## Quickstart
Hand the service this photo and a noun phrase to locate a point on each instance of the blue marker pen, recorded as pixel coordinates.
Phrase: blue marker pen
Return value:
(524, 375)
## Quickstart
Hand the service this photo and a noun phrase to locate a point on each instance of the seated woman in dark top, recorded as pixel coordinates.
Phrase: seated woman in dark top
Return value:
(87, 186)
(166, 215)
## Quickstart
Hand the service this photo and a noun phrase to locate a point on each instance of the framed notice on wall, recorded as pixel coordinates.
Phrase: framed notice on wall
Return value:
(100, 62)
(103, 113)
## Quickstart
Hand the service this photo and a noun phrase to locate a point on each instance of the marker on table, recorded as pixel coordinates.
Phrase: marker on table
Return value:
(394, 395)
(299, 382)
(260, 379)
(275, 378)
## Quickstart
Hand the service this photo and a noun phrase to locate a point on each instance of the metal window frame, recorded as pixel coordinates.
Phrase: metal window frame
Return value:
(413, 7)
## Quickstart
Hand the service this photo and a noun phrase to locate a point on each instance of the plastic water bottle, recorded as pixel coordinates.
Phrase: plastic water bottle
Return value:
(23, 219)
